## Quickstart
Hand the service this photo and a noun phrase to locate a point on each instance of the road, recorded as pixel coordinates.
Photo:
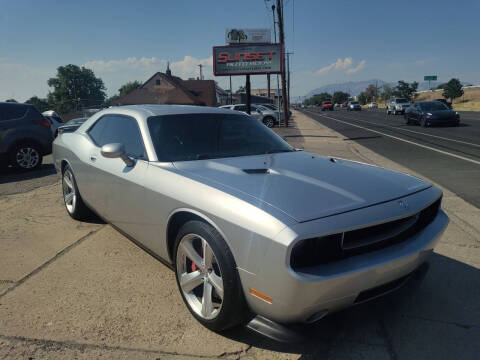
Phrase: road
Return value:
(447, 155)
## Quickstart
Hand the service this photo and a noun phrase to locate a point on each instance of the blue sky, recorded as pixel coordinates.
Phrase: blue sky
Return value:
(333, 42)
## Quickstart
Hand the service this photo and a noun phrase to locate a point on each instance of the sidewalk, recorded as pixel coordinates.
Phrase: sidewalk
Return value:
(462, 237)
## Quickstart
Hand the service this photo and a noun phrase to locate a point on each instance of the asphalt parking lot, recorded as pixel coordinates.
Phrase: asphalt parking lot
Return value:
(81, 290)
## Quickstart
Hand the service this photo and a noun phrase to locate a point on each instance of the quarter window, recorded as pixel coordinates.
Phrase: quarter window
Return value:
(118, 129)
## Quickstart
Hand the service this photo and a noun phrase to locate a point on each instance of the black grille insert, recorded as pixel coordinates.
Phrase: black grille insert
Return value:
(335, 247)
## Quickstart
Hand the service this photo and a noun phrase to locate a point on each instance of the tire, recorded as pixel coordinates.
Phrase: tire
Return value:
(388, 112)
(218, 275)
(25, 156)
(407, 120)
(423, 122)
(72, 199)
(268, 121)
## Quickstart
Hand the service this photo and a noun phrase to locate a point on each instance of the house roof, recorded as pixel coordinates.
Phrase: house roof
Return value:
(187, 92)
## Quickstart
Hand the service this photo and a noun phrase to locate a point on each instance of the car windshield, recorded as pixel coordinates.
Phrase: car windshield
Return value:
(433, 106)
(76, 121)
(270, 106)
(402, 101)
(354, 103)
(185, 137)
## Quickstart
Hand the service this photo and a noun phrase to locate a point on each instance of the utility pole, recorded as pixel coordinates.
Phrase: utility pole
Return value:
(282, 42)
(201, 74)
(278, 83)
(288, 77)
(231, 95)
(249, 95)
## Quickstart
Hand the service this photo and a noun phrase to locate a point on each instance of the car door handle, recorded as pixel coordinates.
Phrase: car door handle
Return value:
(93, 158)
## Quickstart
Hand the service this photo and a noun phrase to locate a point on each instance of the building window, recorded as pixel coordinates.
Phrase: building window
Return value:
(157, 82)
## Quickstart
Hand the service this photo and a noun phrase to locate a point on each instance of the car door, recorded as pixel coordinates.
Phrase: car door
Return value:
(118, 189)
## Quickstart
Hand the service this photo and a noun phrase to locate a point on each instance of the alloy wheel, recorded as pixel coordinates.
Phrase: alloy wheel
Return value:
(268, 122)
(27, 157)
(199, 276)
(69, 193)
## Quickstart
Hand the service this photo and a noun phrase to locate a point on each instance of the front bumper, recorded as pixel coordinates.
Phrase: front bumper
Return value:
(309, 294)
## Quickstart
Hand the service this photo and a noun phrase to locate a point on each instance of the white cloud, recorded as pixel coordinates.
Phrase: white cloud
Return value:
(20, 81)
(345, 65)
(360, 66)
(115, 73)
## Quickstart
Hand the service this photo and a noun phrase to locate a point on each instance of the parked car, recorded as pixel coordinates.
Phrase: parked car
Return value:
(354, 106)
(274, 107)
(71, 125)
(427, 113)
(25, 136)
(267, 116)
(247, 222)
(327, 105)
(345, 104)
(373, 105)
(397, 106)
(336, 106)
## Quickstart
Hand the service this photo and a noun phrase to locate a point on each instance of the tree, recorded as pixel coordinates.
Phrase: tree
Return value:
(241, 89)
(406, 90)
(11, 100)
(74, 87)
(362, 98)
(387, 92)
(128, 87)
(41, 104)
(317, 99)
(370, 93)
(441, 86)
(339, 97)
(111, 100)
(452, 90)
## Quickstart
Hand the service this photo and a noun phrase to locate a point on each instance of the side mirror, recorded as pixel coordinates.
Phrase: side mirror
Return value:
(116, 150)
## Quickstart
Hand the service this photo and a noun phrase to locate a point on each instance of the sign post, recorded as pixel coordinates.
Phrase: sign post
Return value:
(430, 78)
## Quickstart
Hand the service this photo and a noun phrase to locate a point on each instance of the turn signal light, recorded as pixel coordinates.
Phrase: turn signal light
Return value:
(260, 295)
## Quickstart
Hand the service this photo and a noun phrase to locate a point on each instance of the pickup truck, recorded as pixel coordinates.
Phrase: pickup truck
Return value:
(327, 105)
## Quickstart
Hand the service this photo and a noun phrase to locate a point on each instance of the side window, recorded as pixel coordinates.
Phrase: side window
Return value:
(241, 108)
(96, 131)
(124, 129)
(12, 111)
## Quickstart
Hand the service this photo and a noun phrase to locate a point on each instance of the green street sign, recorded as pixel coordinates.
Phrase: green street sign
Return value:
(430, 78)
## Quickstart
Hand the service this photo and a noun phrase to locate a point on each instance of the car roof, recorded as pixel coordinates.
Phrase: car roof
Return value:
(156, 110)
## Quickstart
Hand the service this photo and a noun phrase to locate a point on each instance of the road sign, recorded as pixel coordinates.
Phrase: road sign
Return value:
(239, 36)
(430, 78)
(252, 59)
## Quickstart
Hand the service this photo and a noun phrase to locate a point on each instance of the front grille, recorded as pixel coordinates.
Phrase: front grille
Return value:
(339, 246)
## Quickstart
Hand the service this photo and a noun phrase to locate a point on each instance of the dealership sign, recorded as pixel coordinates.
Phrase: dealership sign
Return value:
(236, 36)
(247, 59)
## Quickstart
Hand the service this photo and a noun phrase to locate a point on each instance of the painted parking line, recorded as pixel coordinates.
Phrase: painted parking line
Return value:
(400, 139)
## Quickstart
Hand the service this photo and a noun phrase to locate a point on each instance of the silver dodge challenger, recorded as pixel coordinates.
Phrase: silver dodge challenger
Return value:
(249, 224)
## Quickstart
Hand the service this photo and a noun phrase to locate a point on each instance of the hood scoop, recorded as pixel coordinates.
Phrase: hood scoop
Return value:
(257, 171)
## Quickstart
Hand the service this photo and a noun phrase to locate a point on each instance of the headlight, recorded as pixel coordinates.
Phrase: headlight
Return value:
(315, 251)
(429, 114)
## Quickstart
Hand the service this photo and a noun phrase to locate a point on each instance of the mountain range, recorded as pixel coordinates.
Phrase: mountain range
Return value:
(354, 88)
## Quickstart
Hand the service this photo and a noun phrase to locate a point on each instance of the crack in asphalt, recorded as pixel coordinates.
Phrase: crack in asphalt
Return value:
(7, 281)
(388, 339)
(72, 345)
(463, 326)
(51, 260)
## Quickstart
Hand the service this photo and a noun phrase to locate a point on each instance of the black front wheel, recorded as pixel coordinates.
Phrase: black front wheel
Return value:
(25, 156)
(423, 122)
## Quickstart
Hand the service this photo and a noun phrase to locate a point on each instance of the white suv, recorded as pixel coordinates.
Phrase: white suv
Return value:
(397, 106)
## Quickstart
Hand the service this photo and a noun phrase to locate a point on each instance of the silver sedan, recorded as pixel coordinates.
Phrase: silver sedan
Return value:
(248, 224)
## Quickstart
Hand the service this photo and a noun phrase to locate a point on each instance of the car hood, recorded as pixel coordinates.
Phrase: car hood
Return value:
(442, 114)
(305, 186)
